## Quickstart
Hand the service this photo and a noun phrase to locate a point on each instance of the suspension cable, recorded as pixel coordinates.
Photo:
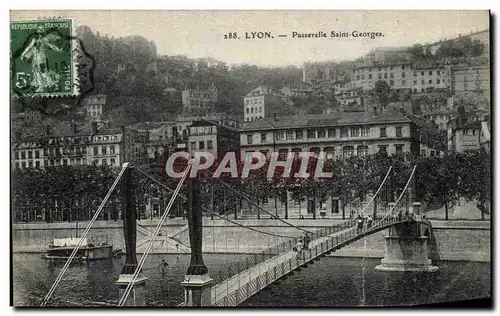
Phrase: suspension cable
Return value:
(209, 211)
(244, 226)
(251, 202)
(379, 188)
(84, 235)
(400, 196)
(260, 208)
(153, 237)
(278, 218)
(246, 198)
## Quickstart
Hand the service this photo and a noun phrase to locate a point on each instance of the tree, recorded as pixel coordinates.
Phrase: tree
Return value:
(382, 92)
(416, 51)
(257, 187)
(478, 48)
(70, 189)
(438, 178)
(475, 181)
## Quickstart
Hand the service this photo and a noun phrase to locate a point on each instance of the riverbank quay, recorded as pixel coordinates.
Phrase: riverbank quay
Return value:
(458, 240)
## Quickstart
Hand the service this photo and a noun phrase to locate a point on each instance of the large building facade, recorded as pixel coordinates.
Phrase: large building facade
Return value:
(470, 80)
(196, 100)
(214, 137)
(261, 102)
(464, 136)
(94, 106)
(68, 144)
(339, 135)
(418, 78)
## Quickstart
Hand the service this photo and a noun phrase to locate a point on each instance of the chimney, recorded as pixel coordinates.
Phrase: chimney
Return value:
(47, 130)
(275, 117)
(74, 127)
(375, 111)
(94, 128)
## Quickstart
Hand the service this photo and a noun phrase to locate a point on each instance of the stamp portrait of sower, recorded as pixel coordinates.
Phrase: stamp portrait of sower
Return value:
(42, 76)
(42, 62)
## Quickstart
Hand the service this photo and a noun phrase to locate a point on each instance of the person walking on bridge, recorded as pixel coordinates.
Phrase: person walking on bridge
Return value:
(360, 224)
(369, 222)
(299, 247)
(307, 240)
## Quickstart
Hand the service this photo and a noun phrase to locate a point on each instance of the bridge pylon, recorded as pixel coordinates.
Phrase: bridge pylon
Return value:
(407, 245)
(137, 296)
(197, 281)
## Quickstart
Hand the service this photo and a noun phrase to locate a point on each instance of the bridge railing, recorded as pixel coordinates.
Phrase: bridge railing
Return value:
(275, 250)
(331, 240)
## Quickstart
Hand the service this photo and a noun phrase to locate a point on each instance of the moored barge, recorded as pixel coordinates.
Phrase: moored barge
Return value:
(62, 248)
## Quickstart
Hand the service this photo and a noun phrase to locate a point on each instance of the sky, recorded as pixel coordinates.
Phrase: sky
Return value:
(199, 34)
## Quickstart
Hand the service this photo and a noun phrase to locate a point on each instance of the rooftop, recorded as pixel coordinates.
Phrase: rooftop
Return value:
(65, 129)
(204, 122)
(333, 119)
(260, 90)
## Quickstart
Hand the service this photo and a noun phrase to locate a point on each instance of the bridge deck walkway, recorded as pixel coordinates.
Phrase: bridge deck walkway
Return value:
(238, 288)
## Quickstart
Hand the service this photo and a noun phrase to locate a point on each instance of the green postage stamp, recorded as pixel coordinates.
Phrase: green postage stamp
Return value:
(43, 58)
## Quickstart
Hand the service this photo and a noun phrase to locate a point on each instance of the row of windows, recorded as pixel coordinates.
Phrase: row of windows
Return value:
(469, 132)
(422, 73)
(108, 138)
(322, 133)
(104, 150)
(403, 83)
(254, 100)
(65, 151)
(250, 119)
(432, 153)
(256, 109)
(391, 75)
(201, 145)
(438, 81)
(347, 151)
(94, 113)
(379, 69)
(95, 106)
(30, 154)
(202, 130)
(54, 162)
(200, 95)
(22, 154)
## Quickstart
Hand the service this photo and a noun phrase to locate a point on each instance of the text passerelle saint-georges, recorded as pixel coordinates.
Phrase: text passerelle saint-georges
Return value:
(339, 34)
(307, 35)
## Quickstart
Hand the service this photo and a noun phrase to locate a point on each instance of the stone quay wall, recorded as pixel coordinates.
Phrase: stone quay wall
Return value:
(457, 240)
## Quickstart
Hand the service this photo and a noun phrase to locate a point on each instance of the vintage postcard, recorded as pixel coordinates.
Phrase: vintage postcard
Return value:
(250, 158)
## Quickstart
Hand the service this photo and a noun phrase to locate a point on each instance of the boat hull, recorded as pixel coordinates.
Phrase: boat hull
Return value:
(83, 253)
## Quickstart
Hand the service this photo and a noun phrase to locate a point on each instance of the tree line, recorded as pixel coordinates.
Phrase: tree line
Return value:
(71, 193)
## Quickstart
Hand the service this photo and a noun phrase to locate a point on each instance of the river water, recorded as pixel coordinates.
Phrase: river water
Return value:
(332, 281)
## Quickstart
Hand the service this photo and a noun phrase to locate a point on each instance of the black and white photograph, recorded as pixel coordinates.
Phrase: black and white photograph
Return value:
(250, 158)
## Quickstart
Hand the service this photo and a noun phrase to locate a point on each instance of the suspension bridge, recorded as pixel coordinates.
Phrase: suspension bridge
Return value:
(410, 244)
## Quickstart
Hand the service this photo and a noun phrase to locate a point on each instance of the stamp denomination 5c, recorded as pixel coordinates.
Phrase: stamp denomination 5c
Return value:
(43, 61)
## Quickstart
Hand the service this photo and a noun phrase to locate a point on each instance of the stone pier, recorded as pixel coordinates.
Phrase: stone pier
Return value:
(137, 296)
(407, 246)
